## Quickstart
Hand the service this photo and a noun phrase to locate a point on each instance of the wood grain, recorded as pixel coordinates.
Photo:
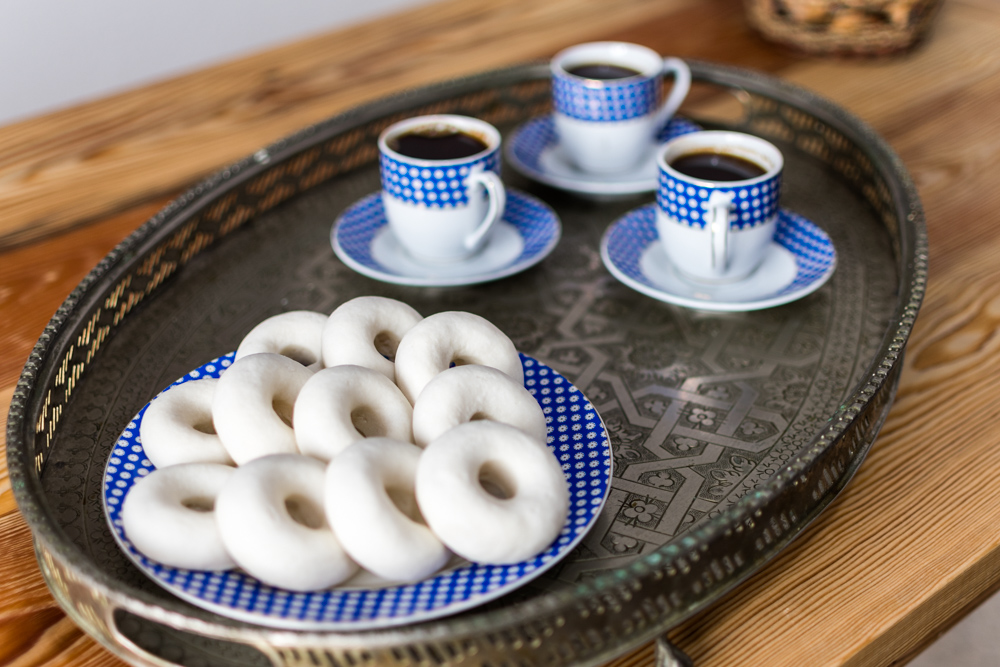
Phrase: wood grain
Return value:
(103, 156)
(912, 542)
(35, 279)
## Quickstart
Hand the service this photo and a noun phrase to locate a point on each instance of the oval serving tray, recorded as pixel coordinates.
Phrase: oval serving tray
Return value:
(730, 432)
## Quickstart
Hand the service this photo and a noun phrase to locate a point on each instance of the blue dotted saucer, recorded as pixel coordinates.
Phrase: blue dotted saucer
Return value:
(799, 261)
(533, 149)
(576, 437)
(362, 240)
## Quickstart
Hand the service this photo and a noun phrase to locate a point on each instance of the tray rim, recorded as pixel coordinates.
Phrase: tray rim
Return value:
(869, 403)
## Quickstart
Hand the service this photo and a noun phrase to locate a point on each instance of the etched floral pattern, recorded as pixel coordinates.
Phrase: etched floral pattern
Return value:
(622, 543)
(685, 444)
(642, 512)
(702, 417)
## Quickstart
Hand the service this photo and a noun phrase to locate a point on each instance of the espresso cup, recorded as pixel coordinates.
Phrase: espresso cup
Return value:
(441, 188)
(606, 97)
(717, 203)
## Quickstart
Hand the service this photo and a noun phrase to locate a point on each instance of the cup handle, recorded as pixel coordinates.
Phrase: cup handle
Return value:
(717, 218)
(682, 84)
(498, 202)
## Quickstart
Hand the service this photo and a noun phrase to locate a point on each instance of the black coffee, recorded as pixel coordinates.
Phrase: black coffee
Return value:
(603, 71)
(437, 144)
(717, 167)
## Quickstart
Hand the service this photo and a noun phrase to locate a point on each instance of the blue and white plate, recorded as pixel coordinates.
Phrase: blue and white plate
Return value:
(533, 149)
(576, 437)
(363, 241)
(799, 261)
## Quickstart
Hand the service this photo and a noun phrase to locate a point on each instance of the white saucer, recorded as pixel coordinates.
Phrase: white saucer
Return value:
(533, 149)
(362, 240)
(799, 261)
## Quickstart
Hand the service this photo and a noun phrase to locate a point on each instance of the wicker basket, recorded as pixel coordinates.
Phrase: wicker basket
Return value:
(843, 27)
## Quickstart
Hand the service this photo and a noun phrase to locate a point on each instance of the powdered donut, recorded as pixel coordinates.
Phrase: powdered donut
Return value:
(253, 404)
(477, 524)
(371, 506)
(297, 334)
(340, 405)
(271, 518)
(467, 393)
(177, 426)
(169, 516)
(432, 345)
(366, 332)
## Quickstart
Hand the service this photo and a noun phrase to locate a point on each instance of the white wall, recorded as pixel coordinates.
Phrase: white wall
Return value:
(56, 53)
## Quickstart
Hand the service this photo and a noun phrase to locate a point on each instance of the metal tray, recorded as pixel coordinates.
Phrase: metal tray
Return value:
(731, 432)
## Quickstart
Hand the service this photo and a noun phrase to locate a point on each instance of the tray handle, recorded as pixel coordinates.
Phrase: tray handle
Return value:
(125, 648)
(133, 653)
(668, 655)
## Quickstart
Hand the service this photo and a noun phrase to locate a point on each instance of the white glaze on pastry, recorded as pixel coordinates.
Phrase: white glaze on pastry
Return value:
(177, 426)
(271, 519)
(521, 516)
(254, 404)
(169, 516)
(371, 505)
(366, 331)
(458, 338)
(297, 334)
(340, 405)
(467, 393)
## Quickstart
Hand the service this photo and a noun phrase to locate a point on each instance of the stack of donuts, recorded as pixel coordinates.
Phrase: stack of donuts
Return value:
(371, 438)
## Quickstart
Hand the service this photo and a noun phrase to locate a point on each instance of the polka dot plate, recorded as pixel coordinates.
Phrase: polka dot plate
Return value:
(577, 437)
(362, 240)
(533, 149)
(798, 262)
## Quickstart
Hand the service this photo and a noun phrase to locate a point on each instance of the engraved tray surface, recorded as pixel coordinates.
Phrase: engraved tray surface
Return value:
(730, 431)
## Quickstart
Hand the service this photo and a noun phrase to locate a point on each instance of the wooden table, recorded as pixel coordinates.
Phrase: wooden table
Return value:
(909, 547)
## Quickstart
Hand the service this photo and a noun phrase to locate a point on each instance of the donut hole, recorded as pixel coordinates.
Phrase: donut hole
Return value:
(497, 481)
(206, 426)
(386, 344)
(305, 512)
(299, 354)
(479, 416)
(368, 422)
(405, 501)
(199, 503)
(283, 409)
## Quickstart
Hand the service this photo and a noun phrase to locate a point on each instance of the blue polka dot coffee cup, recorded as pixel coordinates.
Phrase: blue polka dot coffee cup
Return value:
(606, 98)
(441, 208)
(717, 203)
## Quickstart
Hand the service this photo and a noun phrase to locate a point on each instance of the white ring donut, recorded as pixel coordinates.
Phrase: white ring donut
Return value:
(253, 406)
(366, 487)
(475, 523)
(297, 334)
(177, 426)
(271, 518)
(467, 393)
(343, 404)
(366, 331)
(168, 516)
(440, 340)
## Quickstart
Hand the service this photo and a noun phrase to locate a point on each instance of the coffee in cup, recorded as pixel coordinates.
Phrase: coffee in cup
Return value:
(714, 166)
(437, 143)
(717, 203)
(607, 103)
(441, 188)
